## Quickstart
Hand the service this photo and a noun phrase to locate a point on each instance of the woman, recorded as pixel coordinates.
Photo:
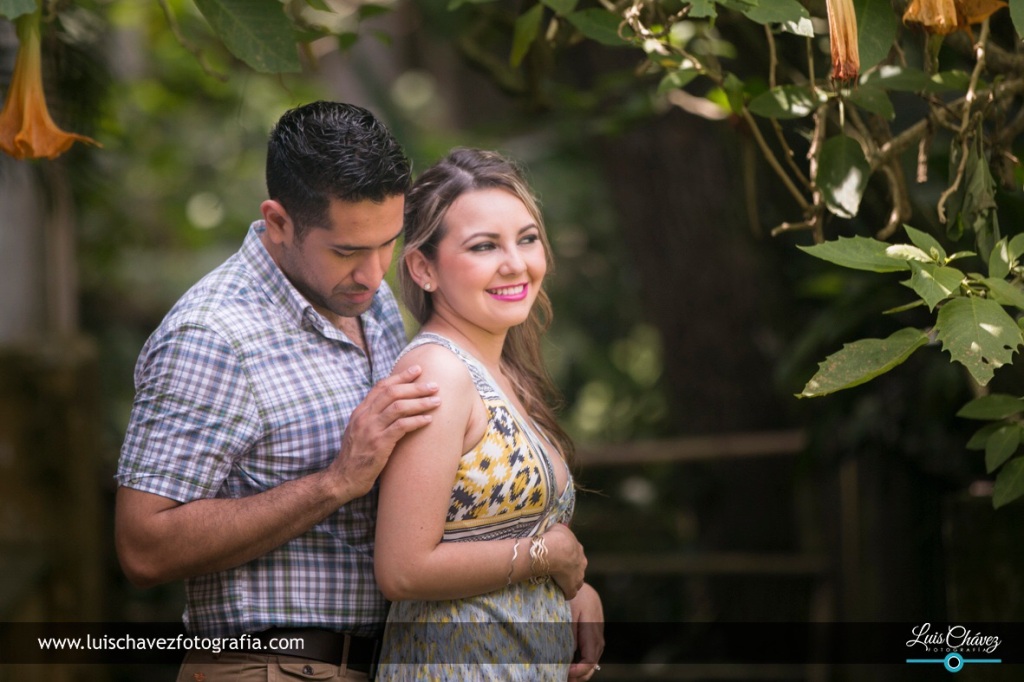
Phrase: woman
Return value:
(472, 512)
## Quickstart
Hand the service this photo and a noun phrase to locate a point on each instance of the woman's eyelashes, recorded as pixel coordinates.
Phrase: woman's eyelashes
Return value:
(525, 240)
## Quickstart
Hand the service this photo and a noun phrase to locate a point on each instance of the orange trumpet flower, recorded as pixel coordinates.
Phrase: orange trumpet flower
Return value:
(26, 129)
(842, 32)
(977, 11)
(942, 17)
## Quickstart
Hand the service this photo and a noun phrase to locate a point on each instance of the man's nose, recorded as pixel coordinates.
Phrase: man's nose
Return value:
(371, 271)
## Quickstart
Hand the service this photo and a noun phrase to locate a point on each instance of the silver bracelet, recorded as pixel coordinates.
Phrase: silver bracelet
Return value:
(512, 566)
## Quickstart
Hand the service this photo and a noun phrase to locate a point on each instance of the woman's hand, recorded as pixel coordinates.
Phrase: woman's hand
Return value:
(566, 559)
(588, 626)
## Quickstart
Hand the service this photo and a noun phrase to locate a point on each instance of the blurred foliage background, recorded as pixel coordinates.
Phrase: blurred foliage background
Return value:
(677, 317)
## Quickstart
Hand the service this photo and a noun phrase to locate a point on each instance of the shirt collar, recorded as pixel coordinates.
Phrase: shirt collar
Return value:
(284, 294)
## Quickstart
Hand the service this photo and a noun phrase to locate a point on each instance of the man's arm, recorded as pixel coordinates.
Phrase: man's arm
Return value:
(159, 539)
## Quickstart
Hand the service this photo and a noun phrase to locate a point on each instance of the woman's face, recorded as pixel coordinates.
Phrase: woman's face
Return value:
(490, 262)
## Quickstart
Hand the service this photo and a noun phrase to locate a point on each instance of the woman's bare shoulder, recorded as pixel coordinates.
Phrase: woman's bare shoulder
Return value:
(439, 365)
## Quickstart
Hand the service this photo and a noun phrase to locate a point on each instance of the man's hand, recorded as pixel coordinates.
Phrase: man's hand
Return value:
(159, 539)
(394, 407)
(588, 627)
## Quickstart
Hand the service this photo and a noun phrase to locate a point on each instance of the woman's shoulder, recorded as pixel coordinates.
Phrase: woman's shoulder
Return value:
(438, 362)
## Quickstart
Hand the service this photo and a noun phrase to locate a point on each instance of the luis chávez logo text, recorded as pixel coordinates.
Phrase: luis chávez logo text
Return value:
(954, 645)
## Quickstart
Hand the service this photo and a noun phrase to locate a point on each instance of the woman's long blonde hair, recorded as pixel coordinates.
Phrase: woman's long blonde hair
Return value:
(426, 204)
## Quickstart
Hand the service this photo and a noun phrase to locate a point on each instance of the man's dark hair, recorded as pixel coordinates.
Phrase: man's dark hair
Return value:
(331, 150)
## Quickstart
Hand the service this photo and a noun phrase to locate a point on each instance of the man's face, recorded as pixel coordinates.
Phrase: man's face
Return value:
(339, 269)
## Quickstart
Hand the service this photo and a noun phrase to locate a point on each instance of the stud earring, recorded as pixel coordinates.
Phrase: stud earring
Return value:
(427, 286)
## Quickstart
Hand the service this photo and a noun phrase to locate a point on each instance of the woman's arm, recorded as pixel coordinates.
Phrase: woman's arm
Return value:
(411, 562)
(588, 624)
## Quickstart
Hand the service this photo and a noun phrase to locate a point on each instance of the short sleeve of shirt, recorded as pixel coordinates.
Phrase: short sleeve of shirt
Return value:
(194, 415)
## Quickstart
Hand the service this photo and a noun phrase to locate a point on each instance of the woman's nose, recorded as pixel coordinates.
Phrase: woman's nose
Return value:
(513, 262)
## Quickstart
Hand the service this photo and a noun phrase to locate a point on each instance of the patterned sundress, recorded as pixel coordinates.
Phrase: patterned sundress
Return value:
(504, 488)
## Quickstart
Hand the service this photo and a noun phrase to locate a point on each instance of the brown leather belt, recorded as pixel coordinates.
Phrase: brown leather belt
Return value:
(324, 645)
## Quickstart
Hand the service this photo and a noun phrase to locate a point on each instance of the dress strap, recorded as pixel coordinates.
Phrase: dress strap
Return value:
(481, 378)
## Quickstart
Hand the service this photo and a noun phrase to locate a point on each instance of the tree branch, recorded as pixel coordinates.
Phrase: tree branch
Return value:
(770, 157)
(965, 120)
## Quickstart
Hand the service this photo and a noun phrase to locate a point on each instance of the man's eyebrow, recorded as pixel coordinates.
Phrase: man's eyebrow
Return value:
(354, 247)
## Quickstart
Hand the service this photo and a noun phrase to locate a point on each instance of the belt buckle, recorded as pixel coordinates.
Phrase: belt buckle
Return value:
(357, 659)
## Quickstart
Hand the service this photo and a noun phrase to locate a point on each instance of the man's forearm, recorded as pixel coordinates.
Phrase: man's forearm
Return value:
(160, 540)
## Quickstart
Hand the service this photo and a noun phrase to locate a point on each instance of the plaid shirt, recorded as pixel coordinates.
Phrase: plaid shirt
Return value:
(245, 386)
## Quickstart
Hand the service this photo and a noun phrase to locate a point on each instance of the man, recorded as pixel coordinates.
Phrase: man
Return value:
(264, 413)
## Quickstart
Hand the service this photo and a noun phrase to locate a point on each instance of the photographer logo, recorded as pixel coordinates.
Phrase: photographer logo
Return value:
(955, 646)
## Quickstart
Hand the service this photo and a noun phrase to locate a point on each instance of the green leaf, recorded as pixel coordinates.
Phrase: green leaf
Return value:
(347, 40)
(455, 4)
(934, 283)
(258, 33)
(676, 80)
(926, 243)
(733, 88)
(12, 9)
(1009, 483)
(598, 24)
(842, 175)
(992, 407)
(787, 101)
(950, 80)
(776, 12)
(858, 253)
(703, 9)
(981, 436)
(978, 334)
(1017, 16)
(741, 6)
(717, 96)
(1004, 292)
(561, 7)
(1000, 260)
(979, 211)
(370, 11)
(1001, 445)
(906, 79)
(897, 78)
(876, 30)
(1004, 255)
(908, 252)
(873, 99)
(863, 360)
(973, 206)
(955, 202)
(527, 27)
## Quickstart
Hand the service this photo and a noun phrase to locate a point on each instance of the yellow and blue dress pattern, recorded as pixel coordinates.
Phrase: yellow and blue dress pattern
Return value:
(504, 487)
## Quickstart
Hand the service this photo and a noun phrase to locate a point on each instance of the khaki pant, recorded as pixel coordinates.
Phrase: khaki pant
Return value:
(203, 666)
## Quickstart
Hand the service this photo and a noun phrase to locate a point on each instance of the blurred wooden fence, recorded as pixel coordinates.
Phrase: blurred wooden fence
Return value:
(810, 566)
